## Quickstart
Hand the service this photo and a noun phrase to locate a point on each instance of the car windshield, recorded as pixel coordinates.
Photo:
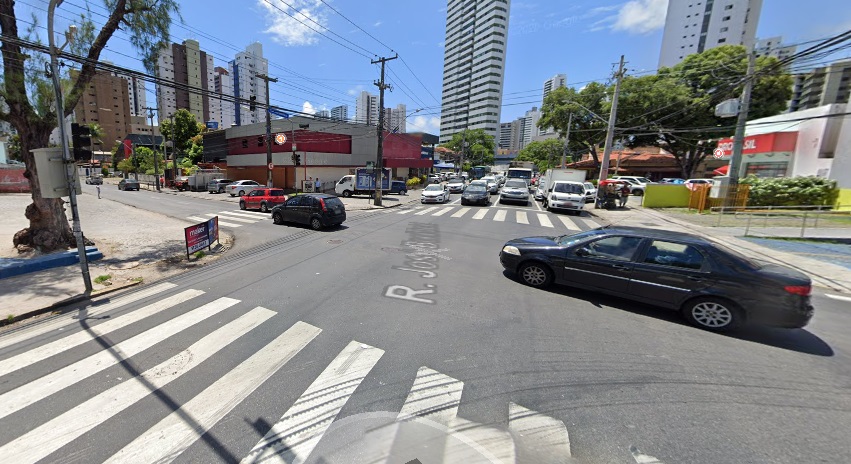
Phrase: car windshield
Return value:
(572, 239)
(515, 184)
(589, 186)
(475, 189)
(568, 188)
(434, 188)
(643, 180)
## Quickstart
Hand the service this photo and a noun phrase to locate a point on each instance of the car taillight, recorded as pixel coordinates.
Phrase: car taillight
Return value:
(803, 290)
(322, 204)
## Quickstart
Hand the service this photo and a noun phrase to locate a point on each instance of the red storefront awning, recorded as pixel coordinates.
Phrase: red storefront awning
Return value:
(722, 171)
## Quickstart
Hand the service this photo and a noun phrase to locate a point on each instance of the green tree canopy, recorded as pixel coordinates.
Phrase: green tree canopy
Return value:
(589, 107)
(544, 153)
(475, 138)
(182, 127)
(97, 134)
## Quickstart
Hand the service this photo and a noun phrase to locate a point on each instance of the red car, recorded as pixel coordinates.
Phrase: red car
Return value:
(263, 199)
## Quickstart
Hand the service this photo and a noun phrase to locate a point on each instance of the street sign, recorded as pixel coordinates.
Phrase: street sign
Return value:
(718, 153)
(280, 113)
(201, 235)
(271, 166)
(727, 108)
(280, 139)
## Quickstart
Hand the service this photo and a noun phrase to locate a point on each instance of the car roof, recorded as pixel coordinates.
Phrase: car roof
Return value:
(656, 233)
(317, 195)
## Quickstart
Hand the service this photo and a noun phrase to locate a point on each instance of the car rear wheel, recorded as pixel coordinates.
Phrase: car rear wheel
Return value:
(713, 314)
(264, 208)
(315, 224)
(241, 204)
(242, 193)
(535, 274)
(637, 193)
(347, 194)
(277, 217)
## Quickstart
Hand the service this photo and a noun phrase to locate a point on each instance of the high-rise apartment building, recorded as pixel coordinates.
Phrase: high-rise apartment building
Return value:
(530, 126)
(340, 113)
(224, 109)
(105, 101)
(821, 86)
(244, 69)
(191, 70)
(692, 27)
(136, 94)
(773, 46)
(473, 66)
(323, 114)
(559, 80)
(504, 140)
(366, 109)
(394, 119)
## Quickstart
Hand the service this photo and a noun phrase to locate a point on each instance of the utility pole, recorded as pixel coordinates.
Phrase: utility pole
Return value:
(173, 148)
(156, 163)
(610, 133)
(379, 161)
(268, 129)
(566, 140)
(70, 166)
(739, 137)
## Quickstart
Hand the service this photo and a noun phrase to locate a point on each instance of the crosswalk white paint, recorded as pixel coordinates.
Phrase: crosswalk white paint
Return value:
(426, 211)
(50, 349)
(442, 211)
(461, 212)
(237, 219)
(171, 436)
(221, 223)
(568, 223)
(97, 307)
(27, 394)
(406, 211)
(591, 224)
(641, 458)
(522, 218)
(434, 395)
(258, 215)
(480, 214)
(58, 432)
(548, 436)
(545, 220)
(293, 437)
(500, 215)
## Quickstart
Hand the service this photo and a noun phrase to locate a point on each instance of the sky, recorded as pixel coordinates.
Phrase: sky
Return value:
(580, 38)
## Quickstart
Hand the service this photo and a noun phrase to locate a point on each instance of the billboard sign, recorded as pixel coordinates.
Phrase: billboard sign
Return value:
(426, 153)
(213, 125)
(201, 235)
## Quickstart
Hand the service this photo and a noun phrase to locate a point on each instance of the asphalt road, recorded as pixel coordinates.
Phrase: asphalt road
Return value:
(464, 341)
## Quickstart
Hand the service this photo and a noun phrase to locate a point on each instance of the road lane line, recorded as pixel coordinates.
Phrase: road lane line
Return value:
(434, 396)
(93, 309)
(27, 394)
(426, 211)
(838, 297)
(245, 220)
(641, 458)
(247, 214)
(196, 218)
(542, 435)
(591, 224)
(293, 437)
(460, 212)
(43, 352)
(537, 205)
(500, 215)
(568, 223)
(443, 211)
(65, 428)
(545, 220)
(173, 435)
(480, 214)
(522, 218)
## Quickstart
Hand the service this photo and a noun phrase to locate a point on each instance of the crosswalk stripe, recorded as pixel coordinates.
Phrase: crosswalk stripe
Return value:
(293, 437)
(543, 435)
(174, 434)
(490, 443)
(248, 221)
(426, 211)
(235, 215)
(406, 211)
(246, 213)
(94, 309)
(591, 224)
(434, 396)
(461, 212)
(42, 387)
(63, 429)
(522, 218)
(53, 348)
(196, 218)
(545, 220)
(500, 215)
(641, 458)
(568, 223)
(443, 211)
(480, 214)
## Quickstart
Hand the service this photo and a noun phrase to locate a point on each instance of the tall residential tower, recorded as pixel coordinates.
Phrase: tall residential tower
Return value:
(243, 71)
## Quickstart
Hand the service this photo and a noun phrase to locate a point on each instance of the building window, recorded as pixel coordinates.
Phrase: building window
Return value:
(725, 18)
(725, 29)
(728, 7)
(722, 40)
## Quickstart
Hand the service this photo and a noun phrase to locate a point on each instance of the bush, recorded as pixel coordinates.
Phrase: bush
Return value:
(791, 191)
(104, 172)
(413, 182)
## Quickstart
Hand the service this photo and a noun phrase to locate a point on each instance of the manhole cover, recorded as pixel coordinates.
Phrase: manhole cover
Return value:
(335, 242)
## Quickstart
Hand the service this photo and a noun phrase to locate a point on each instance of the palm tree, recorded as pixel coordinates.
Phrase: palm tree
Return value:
(96, 133)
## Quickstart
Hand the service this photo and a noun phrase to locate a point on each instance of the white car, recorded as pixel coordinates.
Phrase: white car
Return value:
(456, 185)
(590, 192)
(243, 187)
(565, 195)
(516, 190)
(637, 184)
(492, 184)
(692, 183)
(435, 193)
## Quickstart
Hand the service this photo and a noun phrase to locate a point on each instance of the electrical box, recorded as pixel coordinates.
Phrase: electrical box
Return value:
(719, 187)
(52, 173)
(727, 108)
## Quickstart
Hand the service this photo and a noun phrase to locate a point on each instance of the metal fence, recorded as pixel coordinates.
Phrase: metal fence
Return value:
(802, 217)
(735, 197)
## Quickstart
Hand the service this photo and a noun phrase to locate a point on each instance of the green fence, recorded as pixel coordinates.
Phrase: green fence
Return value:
(666, 196)
(843, 203)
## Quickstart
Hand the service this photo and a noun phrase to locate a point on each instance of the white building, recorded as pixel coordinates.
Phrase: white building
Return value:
(322, 114)
(340, 113)
(191, 71)
(530, 126)
(773, 46)
(694, 26)
(559, 80)
(136, 92)
(244, 70)
(366, 109)
(395, 119)
(473, 66)
(223, 84)
(821, 86)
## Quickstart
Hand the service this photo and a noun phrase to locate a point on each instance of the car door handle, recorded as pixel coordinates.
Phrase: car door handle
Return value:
(620, 266)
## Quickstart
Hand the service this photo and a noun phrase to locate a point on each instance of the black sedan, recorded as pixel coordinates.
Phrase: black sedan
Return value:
(317, 210)
(475, 195)
(714, 288)
(128, 184)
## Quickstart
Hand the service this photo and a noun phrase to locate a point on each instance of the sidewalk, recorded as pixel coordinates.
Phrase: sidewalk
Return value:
(799, 255)
(138, 246)
(363, 203)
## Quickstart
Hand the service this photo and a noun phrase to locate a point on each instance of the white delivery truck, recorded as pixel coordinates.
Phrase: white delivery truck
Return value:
(553, 175)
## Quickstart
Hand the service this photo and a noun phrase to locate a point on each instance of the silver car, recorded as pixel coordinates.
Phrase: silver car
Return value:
(515, 190)
(492, 184)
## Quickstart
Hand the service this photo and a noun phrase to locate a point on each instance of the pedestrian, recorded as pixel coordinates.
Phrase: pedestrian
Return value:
(97, 187)
(318, 185)
(624, 191)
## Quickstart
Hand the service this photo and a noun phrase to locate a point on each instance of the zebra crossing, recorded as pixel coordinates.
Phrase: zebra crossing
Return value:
(531, 217)
(433, 396)
(233, 219)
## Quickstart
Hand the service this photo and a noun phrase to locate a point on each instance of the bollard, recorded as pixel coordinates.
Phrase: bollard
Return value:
(804, 225)
(748, 226)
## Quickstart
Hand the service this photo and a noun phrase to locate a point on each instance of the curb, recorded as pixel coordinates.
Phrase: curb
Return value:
(13, 267)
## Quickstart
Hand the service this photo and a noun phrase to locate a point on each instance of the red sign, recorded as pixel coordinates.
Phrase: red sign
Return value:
(271, 166)
(774, 142)
(201, 235)
(718, 153)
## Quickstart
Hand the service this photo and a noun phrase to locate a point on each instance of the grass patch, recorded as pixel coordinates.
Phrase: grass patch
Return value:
(10, 319)
(200, 254)
(137, 279)
(102, 278)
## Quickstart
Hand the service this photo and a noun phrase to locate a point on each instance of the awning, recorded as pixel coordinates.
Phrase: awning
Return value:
(722, 171)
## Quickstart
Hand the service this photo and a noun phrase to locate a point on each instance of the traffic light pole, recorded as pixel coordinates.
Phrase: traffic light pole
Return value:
(70, 166)
(268, 129)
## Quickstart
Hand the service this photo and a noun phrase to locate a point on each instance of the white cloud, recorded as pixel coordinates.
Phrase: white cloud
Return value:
(308, 108)
(377, 23)
(289, 31)
(429, 124)
(641, 16)
(441, 44)
(355, 91)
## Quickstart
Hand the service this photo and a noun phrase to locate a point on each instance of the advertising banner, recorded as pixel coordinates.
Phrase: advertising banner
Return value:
(201, 235)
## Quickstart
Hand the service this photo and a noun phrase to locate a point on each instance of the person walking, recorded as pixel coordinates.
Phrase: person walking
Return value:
(624, 191)
(97, 187)
(317, 186)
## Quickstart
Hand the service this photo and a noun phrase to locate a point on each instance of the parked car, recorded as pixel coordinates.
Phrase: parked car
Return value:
(671, 180)
(713, 287)
(475, 195)
(128, 184)
(317, 210)
(456, 185)
(398, 187)
(94, 180)
(637, 184)
(692, 183)
(241, 187)
(435, 193)
(263, 199)
(590, 192)
(181, 183)
(218, 185)
(514, 190)
(433, 179)
(565, 195)
(493, 185)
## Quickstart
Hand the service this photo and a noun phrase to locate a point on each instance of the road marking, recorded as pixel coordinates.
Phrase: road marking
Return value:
(406, 211)
(58, 432)
(174, 434)
(426, 211)
(93, 309)
(545, 220)
(480, 214)
(293, 437)
(196, 218)
(568, 223)
(542, 435)
(537, 205)
(247, 221)
(522, 218)
(27, 394)
(53, 348)
(590, 223)
(838, 297)
(455, 202)
(247, 214)
(443, 211)
(460, 212)
(642, 458)
(434, 396)
(500, 215)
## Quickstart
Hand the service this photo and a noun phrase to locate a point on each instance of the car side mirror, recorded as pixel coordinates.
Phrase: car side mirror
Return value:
(584, 251)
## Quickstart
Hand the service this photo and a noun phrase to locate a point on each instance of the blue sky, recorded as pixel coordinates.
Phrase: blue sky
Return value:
(581, 38)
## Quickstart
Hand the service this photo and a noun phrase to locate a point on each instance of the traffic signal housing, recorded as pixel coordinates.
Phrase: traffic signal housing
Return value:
(81, 139)
(297, 159)
(252, 105)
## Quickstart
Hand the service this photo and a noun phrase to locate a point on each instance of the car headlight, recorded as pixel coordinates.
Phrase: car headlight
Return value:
(511, 250)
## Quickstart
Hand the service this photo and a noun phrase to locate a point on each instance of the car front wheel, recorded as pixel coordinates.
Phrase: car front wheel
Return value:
(241, 204)
(264, 208)
(277, 217)
(346, 194)
(535, 274)
(713, 314)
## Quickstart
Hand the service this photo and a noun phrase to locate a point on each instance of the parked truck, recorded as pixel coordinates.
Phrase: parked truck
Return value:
(361, 183)
(198, 181)
(553, 175)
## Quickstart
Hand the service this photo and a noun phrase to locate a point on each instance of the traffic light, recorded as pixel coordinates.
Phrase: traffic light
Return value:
(252, 105)
(82, 141)
(293, 158)
(298, 160)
